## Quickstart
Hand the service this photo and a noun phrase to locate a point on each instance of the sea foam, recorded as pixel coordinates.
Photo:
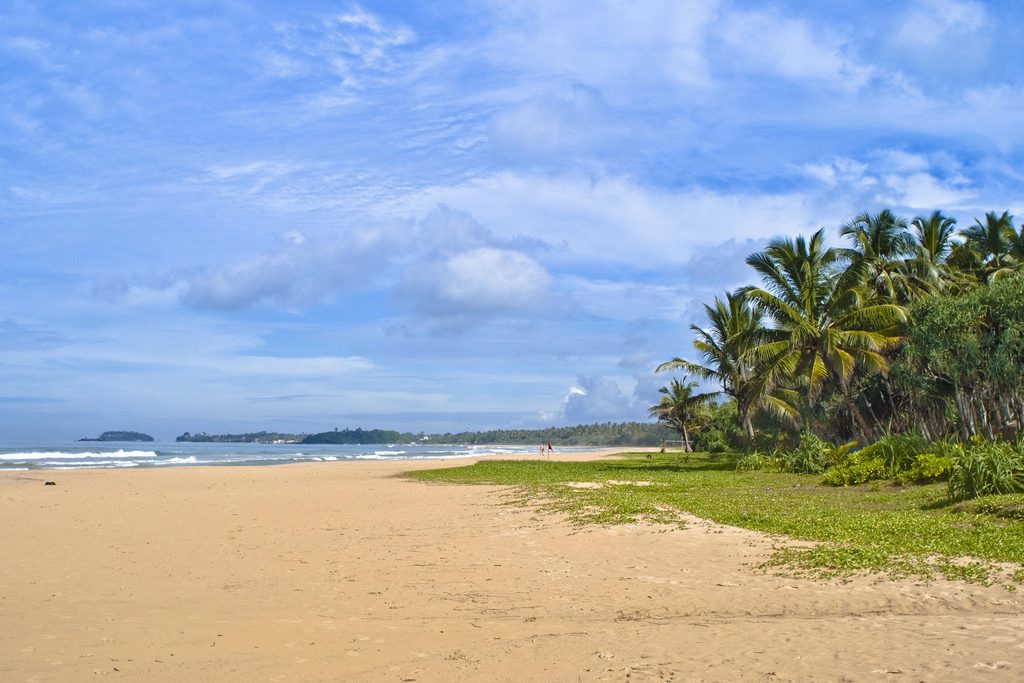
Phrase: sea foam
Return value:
(51, 455)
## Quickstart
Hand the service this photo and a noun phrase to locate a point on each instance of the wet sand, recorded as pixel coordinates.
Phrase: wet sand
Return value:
(347, 572)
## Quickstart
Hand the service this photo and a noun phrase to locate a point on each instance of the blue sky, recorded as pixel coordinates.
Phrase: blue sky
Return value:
(443, 216)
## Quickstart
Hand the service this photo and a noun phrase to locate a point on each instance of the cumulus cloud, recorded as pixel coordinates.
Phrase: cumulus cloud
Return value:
(461, 271)
(595, 398)
(476, 281)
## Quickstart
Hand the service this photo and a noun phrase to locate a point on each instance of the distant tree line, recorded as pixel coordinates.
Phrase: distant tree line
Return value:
(602, 434)
(253, 437)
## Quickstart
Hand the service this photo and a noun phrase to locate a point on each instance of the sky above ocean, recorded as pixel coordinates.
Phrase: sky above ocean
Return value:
(438, 216)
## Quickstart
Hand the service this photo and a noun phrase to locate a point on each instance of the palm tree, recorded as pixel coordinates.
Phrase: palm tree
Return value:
(987, 246)
(736, 328)
(1016, 241)
(825, 322)
(680, 408)
(932, 246)
(882, 242)
(934, 237)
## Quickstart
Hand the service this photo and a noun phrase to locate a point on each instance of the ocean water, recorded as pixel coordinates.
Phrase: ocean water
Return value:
(76, 455)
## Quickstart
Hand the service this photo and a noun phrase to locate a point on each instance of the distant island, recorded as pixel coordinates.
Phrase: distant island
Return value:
(601, 434)
(120, 436)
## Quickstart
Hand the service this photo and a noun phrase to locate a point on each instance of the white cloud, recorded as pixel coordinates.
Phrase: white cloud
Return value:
(354, 47)
(553, 122)
(625, 300)
(455, 270)
(897, 178)
(493, 278)
(616, 219)
(924, 191)
(614, 46)
(932, 23)
(297, 273)
(216, 357)
(480, 281)
(446, 265)
(280, 366)
(795, 49)
(596, 399)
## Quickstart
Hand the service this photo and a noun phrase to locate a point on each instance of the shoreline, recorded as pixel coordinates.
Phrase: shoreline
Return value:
(48, 459)
(324, 572)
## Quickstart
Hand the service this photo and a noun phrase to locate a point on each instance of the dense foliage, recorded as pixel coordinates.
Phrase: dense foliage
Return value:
(962, 366)
(914, 328)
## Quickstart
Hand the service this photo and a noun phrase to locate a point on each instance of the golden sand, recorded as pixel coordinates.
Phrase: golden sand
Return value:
(346, 572)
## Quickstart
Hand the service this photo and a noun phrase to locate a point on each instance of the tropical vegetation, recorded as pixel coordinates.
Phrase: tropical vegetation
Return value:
(908, 334)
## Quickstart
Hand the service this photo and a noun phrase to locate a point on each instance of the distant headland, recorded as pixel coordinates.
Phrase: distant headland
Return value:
(120, 436)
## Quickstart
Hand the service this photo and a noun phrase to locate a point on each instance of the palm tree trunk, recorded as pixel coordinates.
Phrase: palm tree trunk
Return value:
(743, 415)
(874, 416)
(858, 418)
(686, 440)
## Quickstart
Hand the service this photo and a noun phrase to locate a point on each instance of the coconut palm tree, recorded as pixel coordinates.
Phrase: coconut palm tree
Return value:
(882, 242)
(1015, 239)
(680, 408)
(987, 247)
(934, 237)
(932, 245)
(826, 323)
(735, 329)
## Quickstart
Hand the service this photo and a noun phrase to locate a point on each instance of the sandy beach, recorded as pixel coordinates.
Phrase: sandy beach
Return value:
(349, 572)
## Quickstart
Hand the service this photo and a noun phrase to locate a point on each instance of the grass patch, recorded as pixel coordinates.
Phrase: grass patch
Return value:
(879, 527)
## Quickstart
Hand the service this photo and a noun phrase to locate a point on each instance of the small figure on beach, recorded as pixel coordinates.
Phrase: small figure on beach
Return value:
(540, 449)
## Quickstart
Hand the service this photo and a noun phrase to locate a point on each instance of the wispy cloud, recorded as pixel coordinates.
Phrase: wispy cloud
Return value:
(212, 203)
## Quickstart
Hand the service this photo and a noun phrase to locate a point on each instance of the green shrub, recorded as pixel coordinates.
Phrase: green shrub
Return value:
(927, 467)
(856, 472)
(897, 451)
(760, 461)
(812, 456)
(902, 457)
(981, 469)
(713, 441)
